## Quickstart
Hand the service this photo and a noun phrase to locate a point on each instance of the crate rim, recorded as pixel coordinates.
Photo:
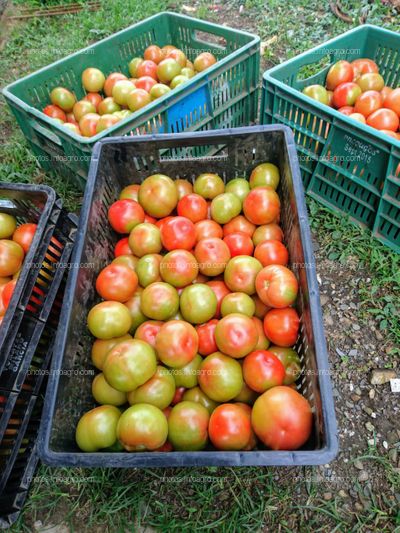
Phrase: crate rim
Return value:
(369, 130)
(256, 458)
(166, 100)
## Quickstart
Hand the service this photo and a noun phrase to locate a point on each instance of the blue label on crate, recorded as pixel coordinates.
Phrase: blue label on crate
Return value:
(191, 109)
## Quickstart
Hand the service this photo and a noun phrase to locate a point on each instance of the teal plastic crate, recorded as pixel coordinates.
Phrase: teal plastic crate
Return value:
(387, 223)
(223, 96)
(345, 165)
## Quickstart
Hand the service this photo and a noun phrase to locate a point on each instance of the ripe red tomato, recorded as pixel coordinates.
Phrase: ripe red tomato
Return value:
(239, 244)
(271, 253)
(117, 283)
(346, 94)
(206, 334)
(24, 234)
(148, 331)
(289, 422)
(281, 326)
(145, 83)
(94, 98)
(239, 224)
(363, 66)
(53, 111)
(220, 290)
(147, 68)
(368, 102)
(261, 206)
(178, 396)
(178, 56)
(236, 335)
(263, 343)
(71, 119)
(153, 53)
(88, 124)
(229, 427)
(340, 72)
(263, 370)
(177, 343)
(7, 292)
(178, 233)
(385, 92)
(193, 206)
(3, 308)
(122, 247)
(276, 286)
(149, 219)
(392, 101)
(124, 215)
(212, 255)
(206, 229)
(384, 119)
(261, 308)
(160, 223)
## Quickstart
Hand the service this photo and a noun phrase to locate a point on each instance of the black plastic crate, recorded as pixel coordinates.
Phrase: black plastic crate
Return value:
(118, 162)
(21, 464)
(27, 335)
(32, 302)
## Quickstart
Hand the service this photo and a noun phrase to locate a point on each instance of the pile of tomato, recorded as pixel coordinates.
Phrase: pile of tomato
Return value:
(358, 90)
(15, 242)
(196, 327)
(113, 98)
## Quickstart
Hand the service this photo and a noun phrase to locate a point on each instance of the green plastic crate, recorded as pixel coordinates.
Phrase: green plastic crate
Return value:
(345, 165)
(224, 96)
(387, 223)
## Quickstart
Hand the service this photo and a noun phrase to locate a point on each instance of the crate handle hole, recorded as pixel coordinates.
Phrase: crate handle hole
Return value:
(212, 39)
(314, 69)
(45, 132)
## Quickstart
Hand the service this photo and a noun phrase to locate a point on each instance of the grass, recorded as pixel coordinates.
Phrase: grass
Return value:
(380, 296)
(204, 499)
